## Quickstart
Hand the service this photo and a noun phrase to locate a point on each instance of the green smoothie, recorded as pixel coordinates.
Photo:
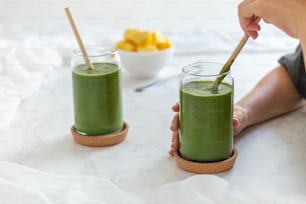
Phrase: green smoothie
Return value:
(206, 131)
(97, 99)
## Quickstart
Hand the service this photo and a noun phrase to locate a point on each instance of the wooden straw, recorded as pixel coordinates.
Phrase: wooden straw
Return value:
(78, 38)
(231, 59)
(229, 62)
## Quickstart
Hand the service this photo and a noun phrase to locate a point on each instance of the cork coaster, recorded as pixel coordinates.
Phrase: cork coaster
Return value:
(206, 168)
(100, 140)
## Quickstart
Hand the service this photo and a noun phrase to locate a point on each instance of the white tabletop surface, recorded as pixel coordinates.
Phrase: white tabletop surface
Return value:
(271, 156)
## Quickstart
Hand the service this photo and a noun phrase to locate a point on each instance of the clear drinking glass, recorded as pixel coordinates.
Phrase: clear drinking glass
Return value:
(206, 128)
(97, 92)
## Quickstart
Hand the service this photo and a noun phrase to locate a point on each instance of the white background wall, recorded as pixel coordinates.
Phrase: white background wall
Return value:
(174, 15)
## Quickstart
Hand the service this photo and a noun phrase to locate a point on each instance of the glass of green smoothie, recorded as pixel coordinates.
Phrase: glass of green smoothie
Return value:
(206, 130)
(97, 92)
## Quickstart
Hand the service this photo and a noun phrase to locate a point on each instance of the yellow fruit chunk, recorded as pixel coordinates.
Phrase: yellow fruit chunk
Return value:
(161, 41)
(149, 48)
(158, 37)
(129, 34)
(164, 45)
(143, 39)
(125, 46)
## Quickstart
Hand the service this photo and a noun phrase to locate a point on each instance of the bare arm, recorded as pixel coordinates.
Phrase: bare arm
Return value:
(273, 96)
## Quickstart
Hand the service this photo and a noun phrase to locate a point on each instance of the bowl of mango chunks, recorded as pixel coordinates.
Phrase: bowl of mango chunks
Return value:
(144, 53)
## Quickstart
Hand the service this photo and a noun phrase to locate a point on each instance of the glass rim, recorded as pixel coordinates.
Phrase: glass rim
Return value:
(102, 51)
(199, 73)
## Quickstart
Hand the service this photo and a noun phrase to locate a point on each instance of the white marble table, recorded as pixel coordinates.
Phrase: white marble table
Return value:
(271, 156)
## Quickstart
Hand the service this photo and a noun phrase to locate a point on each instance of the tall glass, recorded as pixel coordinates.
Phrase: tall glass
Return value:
(97, 92)
(206, 130)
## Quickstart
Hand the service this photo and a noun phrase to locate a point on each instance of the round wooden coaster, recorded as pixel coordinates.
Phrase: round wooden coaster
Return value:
(206, 168)
(100, 140)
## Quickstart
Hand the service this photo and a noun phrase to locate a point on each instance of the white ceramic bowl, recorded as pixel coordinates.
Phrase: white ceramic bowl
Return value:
(144, 64)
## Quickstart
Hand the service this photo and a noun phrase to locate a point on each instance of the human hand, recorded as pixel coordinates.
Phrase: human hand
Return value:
(287, 15)
(174, 127)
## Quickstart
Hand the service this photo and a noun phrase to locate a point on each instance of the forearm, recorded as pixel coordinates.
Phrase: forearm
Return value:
(303, 45)
(274, 95)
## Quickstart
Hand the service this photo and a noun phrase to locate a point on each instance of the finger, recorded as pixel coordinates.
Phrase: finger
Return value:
(247, 15)
(236, 122)
(176, 107)
(246, 22)
(242, 7)
(252, 34)
(175, 136)
(175, 143)
(175, 123)
(236, 125)
(171, 152)
(254, 26)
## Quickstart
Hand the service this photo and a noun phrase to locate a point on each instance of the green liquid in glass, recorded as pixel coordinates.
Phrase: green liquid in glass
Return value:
(97, 99)
(206, 130)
